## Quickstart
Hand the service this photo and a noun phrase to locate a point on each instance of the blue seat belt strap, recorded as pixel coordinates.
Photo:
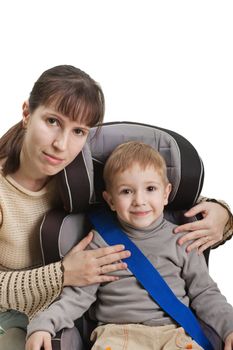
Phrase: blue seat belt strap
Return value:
(108, 227)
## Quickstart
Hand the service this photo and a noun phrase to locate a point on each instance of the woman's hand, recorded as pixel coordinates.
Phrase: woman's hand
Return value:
(207, 231)
(39, 340)
(84, 267)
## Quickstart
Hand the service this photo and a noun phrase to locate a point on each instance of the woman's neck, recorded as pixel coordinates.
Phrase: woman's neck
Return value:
(29, 182)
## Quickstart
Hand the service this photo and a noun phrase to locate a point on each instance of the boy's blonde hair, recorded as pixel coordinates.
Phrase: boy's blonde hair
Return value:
(127, 154)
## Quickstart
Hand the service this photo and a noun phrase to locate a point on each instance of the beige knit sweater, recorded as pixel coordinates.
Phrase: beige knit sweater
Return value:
(24, 284)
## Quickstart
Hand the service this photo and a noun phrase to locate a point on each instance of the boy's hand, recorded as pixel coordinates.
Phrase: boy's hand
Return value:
(39, 340)
(229, 342)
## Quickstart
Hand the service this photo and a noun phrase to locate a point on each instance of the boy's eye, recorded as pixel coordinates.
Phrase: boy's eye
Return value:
(151, 188)
(126, 191)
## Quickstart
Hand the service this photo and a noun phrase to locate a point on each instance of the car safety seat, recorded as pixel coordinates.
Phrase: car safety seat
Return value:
(81, 185)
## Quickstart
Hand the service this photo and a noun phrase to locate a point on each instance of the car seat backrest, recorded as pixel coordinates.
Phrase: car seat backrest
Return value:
(81, 182)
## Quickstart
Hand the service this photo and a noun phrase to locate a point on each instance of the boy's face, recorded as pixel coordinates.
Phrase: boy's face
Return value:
(138, 196)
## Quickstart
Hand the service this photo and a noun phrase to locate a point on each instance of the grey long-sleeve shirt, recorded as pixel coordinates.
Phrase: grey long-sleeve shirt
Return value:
(125, 301)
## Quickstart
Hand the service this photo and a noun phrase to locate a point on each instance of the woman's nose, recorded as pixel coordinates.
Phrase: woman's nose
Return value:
(61, 141)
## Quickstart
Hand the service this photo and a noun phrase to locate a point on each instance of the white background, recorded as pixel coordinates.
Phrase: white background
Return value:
(166, 63)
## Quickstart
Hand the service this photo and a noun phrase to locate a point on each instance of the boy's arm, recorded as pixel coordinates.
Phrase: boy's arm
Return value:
(73, 303)
(205, 297)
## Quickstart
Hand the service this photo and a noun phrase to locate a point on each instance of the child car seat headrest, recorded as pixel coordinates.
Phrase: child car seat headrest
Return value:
(184, 167)
(75, 182)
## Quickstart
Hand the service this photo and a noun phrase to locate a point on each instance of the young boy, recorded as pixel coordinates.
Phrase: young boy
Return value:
(137, 189)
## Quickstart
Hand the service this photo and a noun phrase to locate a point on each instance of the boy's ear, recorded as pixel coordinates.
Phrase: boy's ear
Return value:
(167, 191)
(108, 198)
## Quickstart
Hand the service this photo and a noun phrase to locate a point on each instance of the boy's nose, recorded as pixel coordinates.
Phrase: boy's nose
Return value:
(139, 199)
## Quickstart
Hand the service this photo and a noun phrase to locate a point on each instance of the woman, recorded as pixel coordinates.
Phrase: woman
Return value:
(63, 105)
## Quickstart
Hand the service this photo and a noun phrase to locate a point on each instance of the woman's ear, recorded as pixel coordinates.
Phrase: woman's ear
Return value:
(108, 198)
(26, 113)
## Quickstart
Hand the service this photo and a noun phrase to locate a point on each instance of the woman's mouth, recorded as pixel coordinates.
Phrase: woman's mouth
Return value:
(52, 159)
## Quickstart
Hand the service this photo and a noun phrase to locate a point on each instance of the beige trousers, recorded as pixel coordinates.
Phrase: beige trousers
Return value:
(138, 337)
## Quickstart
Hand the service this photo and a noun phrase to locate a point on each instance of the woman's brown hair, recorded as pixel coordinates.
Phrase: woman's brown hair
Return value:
(71, 92)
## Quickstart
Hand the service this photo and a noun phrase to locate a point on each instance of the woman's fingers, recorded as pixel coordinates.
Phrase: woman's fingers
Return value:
(205, 246)
(107, 258)
(83, 243)
(201, 240)
(106, 269)
(192, 235)
(205, 232)
(112, 267)
(83, 267)
(192, 226)
(197, 209)
(200, 244)
(104, 252)
(100, 252)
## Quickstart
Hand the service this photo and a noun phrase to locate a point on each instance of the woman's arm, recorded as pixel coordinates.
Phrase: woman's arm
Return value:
(33, 290)
(213, 229)
(30, 291)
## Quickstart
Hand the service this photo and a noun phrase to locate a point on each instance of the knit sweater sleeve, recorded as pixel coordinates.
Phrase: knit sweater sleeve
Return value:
(71, 305)
(30, 291)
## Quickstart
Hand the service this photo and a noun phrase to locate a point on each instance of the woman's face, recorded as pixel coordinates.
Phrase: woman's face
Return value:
(51, 142)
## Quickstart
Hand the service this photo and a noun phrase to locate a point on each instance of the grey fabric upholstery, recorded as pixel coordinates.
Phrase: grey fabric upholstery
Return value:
(111, 135)
(81, 183)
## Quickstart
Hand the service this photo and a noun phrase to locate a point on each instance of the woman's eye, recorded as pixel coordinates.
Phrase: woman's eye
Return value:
(52, 121)
(79, 132)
